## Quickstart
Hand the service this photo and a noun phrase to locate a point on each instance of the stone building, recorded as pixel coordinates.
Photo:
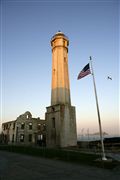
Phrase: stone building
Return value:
(25, 130)
(60, 116)
(8, 131)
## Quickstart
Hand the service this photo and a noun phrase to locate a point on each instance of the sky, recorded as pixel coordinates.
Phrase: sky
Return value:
(26, 58)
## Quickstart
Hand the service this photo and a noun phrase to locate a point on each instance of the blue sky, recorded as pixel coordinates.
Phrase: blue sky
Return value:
(26, 58)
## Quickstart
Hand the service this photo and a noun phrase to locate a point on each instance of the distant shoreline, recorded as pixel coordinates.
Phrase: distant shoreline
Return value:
(92, 137)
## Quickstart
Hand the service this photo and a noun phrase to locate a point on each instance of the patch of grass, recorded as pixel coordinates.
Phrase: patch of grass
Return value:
(60, 154)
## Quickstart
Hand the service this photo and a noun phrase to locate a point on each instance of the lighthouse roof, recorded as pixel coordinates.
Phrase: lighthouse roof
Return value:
(59, 33)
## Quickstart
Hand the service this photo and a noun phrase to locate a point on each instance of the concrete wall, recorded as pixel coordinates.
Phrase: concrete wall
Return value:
(64, 132)
(8, 132)
(60, 75)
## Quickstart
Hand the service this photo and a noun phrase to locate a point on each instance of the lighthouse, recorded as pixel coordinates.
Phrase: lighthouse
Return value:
(60, 115)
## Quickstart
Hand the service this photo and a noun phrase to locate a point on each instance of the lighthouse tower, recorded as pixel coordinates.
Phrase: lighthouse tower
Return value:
(60, 116)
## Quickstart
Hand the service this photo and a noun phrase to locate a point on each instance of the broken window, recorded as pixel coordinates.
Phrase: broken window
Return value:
(13, 125)
(13, 138)
(44, 127)
(30, 137)
(22, 125)
(39, 126)
(21, 137)
(30, 126)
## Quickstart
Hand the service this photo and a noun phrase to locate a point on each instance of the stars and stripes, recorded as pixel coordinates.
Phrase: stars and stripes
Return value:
(85, 71)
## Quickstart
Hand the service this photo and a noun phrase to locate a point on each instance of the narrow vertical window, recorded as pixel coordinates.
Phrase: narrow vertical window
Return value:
(21, 137)
(39, 126)
(30, 137)
(53, 122)
(13, 138)
(44, 127)
(22, 125)
(13, 125)
(30, 126)
(64, 59)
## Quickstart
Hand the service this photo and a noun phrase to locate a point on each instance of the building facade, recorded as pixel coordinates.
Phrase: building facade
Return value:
(25, 130)
(8, 132)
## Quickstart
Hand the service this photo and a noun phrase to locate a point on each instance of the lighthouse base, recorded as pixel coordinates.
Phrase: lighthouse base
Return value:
(61, 126)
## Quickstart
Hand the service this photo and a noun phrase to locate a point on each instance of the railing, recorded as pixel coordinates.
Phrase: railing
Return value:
(57, 34)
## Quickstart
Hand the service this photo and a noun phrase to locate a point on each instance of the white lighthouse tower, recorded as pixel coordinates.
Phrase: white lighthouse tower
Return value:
(60, 116)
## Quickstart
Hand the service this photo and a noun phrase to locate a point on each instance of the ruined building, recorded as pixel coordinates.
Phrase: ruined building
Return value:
(25, 130)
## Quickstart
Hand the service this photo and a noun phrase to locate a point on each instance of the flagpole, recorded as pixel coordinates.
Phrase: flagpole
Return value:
(98, 112)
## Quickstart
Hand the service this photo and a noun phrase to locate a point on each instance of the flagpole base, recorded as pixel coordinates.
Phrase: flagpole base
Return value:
(104, 159)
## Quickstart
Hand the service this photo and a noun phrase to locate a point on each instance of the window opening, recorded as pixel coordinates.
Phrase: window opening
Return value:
(53, 122)
(30, 137)
(30, 125)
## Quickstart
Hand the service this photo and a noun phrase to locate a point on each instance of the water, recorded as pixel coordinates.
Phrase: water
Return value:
(93, 137)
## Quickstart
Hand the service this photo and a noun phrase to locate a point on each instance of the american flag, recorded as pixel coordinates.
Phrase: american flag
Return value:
(85, 71)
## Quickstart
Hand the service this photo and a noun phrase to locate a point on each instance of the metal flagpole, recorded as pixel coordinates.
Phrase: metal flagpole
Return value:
(98, 112)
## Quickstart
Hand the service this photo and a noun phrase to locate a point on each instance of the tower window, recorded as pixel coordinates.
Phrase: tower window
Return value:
(54, 71)
(53, 122)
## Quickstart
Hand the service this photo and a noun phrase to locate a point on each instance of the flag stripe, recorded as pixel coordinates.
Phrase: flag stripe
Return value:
(85, 71)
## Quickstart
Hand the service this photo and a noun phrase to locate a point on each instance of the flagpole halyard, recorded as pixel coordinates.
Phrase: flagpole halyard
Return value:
(98, 112)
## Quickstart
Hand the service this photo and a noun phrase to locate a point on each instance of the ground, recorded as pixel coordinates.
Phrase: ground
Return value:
(22, 167)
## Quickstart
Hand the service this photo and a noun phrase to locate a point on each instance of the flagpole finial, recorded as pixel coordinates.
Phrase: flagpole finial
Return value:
(90, 58)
